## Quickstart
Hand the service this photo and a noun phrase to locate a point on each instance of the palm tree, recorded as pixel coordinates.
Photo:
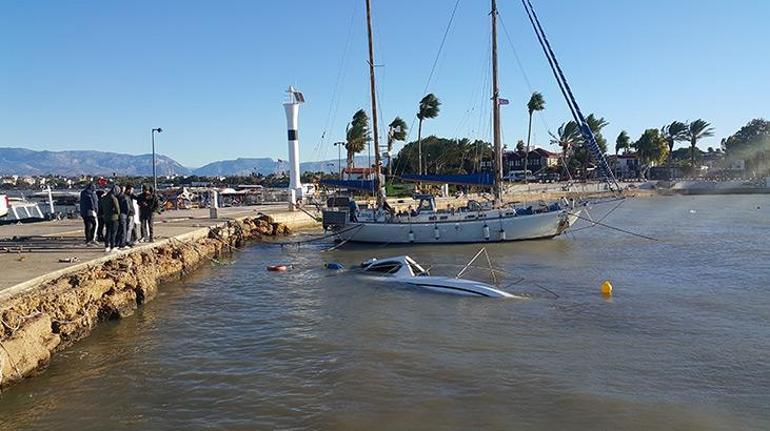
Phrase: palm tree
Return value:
(697, 130)
(676, 131)
(428, 108)
(622, 142)
(357, 135)
(396, 132)
(567, 137)
(536, 103)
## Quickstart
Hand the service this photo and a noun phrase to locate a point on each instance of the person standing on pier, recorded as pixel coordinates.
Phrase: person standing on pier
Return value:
(129, 198)
(89, 204)
(125, 208)
(111, 215)
(148, 206)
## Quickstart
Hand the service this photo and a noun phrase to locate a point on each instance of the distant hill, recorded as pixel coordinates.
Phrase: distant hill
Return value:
(239, 166)
(20, 161)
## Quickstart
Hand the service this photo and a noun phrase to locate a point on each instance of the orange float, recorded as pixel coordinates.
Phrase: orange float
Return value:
(277, 268)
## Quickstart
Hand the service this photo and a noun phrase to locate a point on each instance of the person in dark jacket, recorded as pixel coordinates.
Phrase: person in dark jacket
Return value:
(149, 204)
(89, 205)
(111, 214)
(102, 225)
(120, 238)
(128, 196)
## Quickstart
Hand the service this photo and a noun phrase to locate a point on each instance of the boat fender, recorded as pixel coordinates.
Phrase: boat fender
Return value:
(277, 268)
(502, 234)
(334, 266)
(486, 232)
(436, 233)
(411, 236)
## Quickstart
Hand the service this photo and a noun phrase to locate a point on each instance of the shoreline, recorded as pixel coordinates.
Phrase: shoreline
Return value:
(49, 313)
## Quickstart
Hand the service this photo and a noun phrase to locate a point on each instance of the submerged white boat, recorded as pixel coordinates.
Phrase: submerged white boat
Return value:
(404, 270)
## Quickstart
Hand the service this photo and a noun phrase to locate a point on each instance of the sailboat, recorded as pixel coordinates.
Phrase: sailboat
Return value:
(476, 222)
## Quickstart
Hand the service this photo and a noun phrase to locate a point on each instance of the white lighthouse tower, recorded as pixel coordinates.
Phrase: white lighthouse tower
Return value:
(292, 114)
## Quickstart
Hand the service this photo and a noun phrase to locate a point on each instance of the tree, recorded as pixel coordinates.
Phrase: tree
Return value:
(396, 132)
(651, 148)
(536, 103)
(622, 142)
(567, 137)
(752, 144)
(674, 132)
(696, 131)
(428, 108)
(357, 135)
(520, 146)
(580, 152)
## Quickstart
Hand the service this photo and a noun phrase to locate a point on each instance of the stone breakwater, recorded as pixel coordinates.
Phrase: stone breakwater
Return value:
(55, 314)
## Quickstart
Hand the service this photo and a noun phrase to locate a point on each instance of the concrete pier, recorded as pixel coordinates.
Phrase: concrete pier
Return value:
(54, 289)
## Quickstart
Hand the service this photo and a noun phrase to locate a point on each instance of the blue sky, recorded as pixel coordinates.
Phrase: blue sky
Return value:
(100, 74)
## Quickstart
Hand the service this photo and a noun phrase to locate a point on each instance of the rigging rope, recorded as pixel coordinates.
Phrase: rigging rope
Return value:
(585, 130)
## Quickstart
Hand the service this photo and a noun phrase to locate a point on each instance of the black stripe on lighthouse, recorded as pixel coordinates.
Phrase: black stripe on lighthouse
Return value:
(292, 135)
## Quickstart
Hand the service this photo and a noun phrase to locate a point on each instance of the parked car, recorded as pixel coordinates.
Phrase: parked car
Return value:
(548, 177)
(4, 205)
(515, 176)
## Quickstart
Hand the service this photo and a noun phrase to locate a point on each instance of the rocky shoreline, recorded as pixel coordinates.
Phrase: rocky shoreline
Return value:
(37, 323)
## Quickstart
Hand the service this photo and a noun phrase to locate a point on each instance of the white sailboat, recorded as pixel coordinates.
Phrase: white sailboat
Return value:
(474, 223)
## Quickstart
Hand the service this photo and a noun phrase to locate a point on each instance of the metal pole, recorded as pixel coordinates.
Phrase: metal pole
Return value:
(339, 158)
(377, 184)
(496, 113)
(154, 176)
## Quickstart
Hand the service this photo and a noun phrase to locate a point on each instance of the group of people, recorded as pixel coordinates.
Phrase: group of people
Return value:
(117, 216)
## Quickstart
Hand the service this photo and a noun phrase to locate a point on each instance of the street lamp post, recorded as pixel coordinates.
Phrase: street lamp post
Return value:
(339, 156)
(154, 175)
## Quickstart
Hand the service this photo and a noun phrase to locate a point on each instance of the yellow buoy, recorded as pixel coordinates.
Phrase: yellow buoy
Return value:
(606, 288)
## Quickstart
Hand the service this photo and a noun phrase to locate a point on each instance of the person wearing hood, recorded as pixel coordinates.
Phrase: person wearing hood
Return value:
(149, 204)
(89, 205)
(111, 214)
(127, 211)
(120, 238)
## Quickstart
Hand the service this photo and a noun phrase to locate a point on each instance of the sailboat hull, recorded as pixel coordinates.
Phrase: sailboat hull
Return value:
(516, 228)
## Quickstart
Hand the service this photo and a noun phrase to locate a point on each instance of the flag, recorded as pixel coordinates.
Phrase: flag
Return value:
(503, 101)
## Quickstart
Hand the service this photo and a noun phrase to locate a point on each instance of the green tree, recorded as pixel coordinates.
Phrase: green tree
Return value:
(622, 142)
(696, 131)
(520, 146)
(651, 148)
(567, 137)
(396, 132)
(357, 135)
(536, 103)
(674, 132)
(429, 107)
(752, 144)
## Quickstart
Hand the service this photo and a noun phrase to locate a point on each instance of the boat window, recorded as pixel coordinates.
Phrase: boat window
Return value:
(425, 205)
(384, 267)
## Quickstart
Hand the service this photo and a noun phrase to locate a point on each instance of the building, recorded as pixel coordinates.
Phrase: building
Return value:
(625, 166)
(539, 159)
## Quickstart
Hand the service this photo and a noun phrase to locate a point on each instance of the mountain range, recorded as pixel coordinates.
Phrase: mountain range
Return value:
(21, 161)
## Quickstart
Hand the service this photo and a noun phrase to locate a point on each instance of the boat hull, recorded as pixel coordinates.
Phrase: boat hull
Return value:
(516, 228)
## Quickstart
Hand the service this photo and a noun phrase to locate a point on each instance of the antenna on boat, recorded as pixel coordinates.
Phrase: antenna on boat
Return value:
(498, 164)
(377, 186)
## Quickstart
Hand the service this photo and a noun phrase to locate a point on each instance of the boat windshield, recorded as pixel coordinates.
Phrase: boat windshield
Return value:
(384, 267)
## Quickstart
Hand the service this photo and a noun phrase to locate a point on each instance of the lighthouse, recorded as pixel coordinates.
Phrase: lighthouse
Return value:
(295, 98)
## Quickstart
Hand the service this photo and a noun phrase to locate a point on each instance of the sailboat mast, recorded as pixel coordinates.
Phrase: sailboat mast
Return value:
(498, 165)
(377, 184)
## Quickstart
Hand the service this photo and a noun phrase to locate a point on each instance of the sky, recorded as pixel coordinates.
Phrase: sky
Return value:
(98, 75)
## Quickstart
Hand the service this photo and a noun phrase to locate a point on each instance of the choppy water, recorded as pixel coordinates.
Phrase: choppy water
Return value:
(683, 344)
